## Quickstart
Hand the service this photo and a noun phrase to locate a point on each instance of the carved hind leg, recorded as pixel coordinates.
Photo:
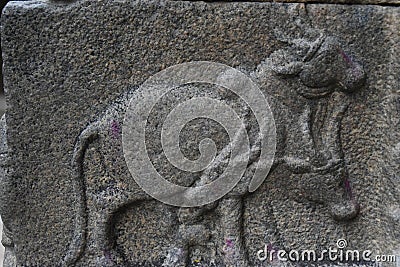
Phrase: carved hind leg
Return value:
(101, 238)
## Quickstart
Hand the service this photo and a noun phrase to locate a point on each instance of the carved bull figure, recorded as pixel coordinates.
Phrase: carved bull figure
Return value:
(324, 74)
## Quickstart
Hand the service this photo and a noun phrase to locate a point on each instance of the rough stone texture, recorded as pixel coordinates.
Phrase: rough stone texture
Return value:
(70, 69)
(1, 246)
(354, 2)
(359, 2)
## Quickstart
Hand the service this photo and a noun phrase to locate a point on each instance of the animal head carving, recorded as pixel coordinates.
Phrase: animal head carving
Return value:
(321, 64)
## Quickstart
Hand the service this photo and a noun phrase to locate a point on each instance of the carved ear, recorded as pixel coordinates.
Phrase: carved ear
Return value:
(283, 63)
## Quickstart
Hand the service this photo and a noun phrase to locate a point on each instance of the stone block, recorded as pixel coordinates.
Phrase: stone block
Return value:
(78, 78)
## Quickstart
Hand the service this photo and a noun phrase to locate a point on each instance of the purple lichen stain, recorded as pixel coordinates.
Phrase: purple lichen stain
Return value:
(229, 247)
(272, 252)
(356, 70)
(229, 243)
(349, 190)
(115, 129)
(346, 57)
(107, 256)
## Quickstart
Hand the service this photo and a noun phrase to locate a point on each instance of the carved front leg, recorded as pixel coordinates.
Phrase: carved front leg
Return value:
(192, 231)
(327, 178)
(233, 249)
(319, 159)
(345, 207)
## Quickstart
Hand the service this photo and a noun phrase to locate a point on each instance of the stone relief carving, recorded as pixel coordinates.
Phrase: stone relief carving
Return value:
(312, 150)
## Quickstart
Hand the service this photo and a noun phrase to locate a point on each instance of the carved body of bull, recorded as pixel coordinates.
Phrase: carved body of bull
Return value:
(324, 75)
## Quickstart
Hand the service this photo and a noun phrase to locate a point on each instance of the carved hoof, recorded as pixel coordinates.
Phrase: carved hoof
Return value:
(177, 257)
(194, 234)
(109, 258)
(345, 211)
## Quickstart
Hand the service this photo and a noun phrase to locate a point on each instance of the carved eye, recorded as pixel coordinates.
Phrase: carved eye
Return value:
(320, 72)
(285, 63)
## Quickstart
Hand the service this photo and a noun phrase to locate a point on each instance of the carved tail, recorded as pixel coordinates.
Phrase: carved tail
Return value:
(78, 244)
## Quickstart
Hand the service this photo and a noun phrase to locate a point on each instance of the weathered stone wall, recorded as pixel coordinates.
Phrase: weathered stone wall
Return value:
(1, 246)
(329, 72)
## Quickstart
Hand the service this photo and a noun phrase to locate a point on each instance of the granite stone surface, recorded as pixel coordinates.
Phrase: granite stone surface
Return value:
(345, 2)
(329, 73)
(1, 246)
